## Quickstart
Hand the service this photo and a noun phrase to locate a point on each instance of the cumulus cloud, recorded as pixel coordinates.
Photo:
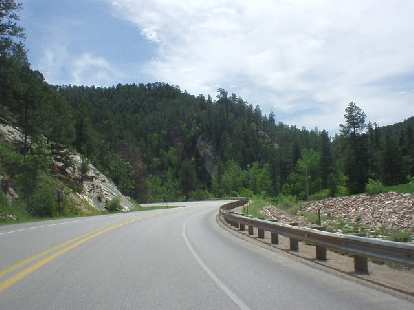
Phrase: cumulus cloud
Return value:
(59, 66)
(303, 59)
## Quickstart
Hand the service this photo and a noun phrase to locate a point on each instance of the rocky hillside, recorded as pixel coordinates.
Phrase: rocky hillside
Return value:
(93, 187)
(393, 211)
(370, 215)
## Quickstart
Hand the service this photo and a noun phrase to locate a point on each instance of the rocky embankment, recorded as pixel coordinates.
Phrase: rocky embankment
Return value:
(95, 188)
(393, 211)
(389, 211)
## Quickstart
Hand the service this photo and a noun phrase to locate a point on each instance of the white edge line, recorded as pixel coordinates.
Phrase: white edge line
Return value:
(236, 299)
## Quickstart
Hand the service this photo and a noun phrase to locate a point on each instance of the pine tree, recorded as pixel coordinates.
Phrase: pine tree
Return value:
(392, 162)
(11, 34)
(356, 161)
(326, 161)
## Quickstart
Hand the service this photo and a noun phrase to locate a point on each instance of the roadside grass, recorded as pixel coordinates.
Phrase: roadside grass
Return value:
(138, 207)
(347, 227)
(13, 213)
(401, 188)
(287, 203)
(19, 217)
(376, 187)
(255, 207)
(258, 203)
(16, 212)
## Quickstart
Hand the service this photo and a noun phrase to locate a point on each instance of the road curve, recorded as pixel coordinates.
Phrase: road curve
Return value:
(163, 259)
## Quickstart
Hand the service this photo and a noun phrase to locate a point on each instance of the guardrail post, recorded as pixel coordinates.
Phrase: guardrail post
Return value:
(251, 231)
(361, 264)
(320, 252)
(260, 233)
(241, 227)
(274, 237)
(294, 244)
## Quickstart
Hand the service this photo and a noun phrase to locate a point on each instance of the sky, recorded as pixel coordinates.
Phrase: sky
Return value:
(303, 60)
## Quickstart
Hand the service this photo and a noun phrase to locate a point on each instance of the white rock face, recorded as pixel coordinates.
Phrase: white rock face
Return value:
(97, 188)
(10, 134)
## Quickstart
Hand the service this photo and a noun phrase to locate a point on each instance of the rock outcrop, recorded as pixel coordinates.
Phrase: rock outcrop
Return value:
(95, 187)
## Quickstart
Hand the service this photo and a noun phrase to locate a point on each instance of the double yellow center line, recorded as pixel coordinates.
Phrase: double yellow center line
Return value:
(29, 265)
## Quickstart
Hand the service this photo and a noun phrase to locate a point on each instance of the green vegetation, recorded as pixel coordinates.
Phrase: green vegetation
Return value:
(256, 206)
(140, 208)
(325, 193)
(374, 187)
(401, 236)
(401, 188)
(313, 218)
(114, 205)
(39, 193)
(12, 212)
(365, 231)
(287, 203)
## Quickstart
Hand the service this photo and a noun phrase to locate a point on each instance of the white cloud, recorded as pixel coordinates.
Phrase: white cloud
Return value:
(61, 67)
(89, 69)
(288, 56)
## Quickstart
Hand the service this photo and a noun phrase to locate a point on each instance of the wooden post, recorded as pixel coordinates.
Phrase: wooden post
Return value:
(361, 264)
(320, 253)
(241, 227)
(260, 233)
(251, 231)
(294, 244)
(274, 236)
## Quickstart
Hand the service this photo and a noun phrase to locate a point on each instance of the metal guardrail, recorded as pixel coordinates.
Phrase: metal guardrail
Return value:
(360, 248)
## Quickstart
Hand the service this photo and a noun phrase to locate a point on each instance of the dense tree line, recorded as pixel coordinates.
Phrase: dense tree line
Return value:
(158, 142)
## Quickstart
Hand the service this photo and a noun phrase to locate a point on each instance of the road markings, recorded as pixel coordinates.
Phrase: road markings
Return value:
(55, 253)
(236, 299)
(41, 226)
(28, 260)
(51, 225)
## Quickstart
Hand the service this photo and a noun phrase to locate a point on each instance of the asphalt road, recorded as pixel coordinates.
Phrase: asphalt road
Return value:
(163, 259)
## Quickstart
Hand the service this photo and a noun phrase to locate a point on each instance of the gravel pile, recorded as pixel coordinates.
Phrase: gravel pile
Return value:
(388, 210)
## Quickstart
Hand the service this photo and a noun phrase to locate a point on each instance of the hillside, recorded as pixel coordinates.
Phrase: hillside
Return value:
(157, 142)
(52, 184)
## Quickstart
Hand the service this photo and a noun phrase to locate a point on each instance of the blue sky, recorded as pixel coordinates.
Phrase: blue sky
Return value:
(58, 31)
(302, 59)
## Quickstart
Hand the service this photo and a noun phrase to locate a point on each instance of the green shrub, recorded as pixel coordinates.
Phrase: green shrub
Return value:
(323, 194)
(12, 212)
(288, 203)
(256, 205)
(43, 201)
(245, 192)
(341, 191)
(401, 188)
(374, 187)
(114, 205)
(3, 201)
(400, 236)
(311, 217)
(200, 195)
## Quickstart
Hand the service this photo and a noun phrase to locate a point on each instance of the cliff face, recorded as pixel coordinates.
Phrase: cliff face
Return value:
(97, 189)
(93, 187)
